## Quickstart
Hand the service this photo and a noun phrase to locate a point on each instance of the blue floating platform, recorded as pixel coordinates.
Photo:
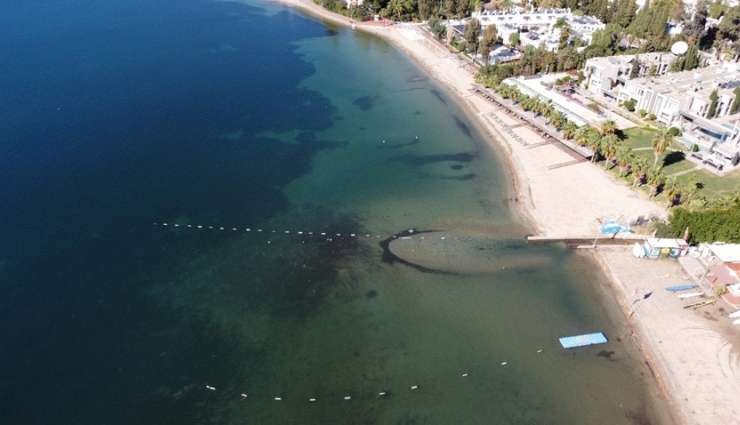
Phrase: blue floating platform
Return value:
(682, 287)
(583, 340)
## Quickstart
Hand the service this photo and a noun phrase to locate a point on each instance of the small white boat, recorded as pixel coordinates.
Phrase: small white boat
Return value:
(735, 315)
(691, 295)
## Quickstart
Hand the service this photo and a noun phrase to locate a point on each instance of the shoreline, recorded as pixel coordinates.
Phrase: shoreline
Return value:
(555, 195)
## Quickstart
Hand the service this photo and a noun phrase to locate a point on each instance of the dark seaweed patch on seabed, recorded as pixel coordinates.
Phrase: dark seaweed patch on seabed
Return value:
(365, 103)
(463, 127)
(439, 95)
(418, 160)
(469, 176)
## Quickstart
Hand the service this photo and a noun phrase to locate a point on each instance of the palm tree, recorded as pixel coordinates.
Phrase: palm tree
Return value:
(656, 180)
(569, 130)
(609, 145)
(673, 193)
(624, 157)
(661, 142)
(639, 171)
(582, 135)
(608, 127)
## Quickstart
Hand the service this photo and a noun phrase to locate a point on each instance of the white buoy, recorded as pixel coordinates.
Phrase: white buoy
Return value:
(464, 375)
(248, 229)
(382, 394)
(243, 395)
(269, 242)
(259, 230)
(504, 363)
(177, 225)
(411, 230)
(189, 226)
(277, 398)
(539, 351)
(352, 235)
(233, 229)
(287, 232)
(348, 397)
(414, 387)
(164, 224)
(200, 226)
(208, 387)
(221, 228)
(323, 233)
(312, 400)
(210, 227)
(442, 237)
(300, 233)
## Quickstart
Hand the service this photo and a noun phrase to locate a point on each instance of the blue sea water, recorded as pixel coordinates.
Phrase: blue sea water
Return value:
(118, 115)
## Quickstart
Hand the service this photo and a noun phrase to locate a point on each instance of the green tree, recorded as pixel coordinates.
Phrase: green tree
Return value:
(661, 142)
(635, 70)
(713, 102)
(514, 39)
(427, 8)
(471, 35)
(490, 36)
(735, 103)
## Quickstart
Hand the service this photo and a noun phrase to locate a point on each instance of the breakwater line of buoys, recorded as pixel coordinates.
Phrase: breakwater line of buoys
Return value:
(466, 375)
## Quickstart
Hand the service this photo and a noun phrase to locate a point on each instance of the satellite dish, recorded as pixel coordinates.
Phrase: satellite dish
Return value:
(679, 48)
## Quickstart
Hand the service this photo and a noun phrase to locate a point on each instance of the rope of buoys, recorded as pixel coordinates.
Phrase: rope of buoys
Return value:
(348, 396)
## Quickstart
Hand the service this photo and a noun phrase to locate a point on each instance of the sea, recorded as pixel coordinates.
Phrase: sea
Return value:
(222, 212)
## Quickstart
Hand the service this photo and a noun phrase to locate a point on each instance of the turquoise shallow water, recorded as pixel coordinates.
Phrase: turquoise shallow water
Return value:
(250, 115)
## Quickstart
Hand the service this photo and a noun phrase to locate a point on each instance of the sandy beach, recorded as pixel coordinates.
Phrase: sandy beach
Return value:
(694, 355)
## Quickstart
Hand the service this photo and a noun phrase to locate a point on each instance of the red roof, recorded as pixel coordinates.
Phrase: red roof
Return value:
(722, 274)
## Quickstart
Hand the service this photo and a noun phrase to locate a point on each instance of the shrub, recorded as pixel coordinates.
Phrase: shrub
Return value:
(673, 131)
(629, 105)
(642, 113)
(710, 225)
(650, 117)
(695, 148)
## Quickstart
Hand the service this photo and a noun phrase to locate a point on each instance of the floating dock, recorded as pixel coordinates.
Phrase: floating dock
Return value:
(583, 340)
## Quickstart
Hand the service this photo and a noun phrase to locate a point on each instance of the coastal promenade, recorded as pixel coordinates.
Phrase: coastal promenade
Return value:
(693, 355)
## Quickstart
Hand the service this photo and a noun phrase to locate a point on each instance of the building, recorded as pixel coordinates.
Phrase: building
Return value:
(606, 76)
(542, 88)
(541, 22)
(353, 3)
(686, 92)
(683, 100)
(503, 54)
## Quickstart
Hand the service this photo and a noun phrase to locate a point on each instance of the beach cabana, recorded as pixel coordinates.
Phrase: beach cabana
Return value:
(665, 247)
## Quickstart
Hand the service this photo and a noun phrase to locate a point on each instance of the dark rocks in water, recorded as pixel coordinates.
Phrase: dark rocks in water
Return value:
(457, 167)
(365, 103)
(371, 294)
(399, 145)
(469, 176)
(606, 354)
(419, 160)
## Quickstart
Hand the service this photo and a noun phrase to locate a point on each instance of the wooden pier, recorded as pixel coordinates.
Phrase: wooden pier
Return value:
(619, 239)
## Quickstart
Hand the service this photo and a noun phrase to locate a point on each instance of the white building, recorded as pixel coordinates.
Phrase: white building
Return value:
(540, 22)
(682, 99)
(353, 3)
(605, 76)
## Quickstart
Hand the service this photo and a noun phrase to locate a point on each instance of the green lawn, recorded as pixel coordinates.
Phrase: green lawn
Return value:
(713, 186)
(640, 140)
(639, 137)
